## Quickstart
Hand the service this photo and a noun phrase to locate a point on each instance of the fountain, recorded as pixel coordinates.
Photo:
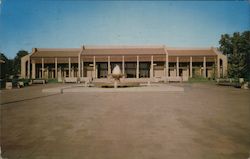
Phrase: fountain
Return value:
(115, 80)
(116, 74)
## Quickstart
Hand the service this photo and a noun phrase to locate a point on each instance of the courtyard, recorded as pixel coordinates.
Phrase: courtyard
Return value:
(202, 121)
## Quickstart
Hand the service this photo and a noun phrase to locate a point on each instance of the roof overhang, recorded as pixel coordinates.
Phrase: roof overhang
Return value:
(118, 50)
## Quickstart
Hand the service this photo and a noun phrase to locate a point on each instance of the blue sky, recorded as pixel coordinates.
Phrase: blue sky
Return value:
(25, 24)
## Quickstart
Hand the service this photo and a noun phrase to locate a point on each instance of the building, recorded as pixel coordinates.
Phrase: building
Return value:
(134, 61)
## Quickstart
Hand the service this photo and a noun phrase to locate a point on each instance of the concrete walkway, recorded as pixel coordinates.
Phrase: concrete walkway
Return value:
(143, 88)
(202, 122)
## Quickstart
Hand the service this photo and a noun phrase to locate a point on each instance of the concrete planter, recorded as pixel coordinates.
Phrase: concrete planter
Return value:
(241, 80)
(245, 85)
(8, 85)
(20, 84)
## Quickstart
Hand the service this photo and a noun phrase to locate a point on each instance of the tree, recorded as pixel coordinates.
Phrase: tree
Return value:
(3, 57)
(6, 67)
(3, 64)
(225, 44)
(17, 61)
(237, 65)
(246, 43)
(237, 49)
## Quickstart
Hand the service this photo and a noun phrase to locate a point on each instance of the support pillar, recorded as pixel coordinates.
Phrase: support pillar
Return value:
(137, 66)
(123, 66)
(47, 73)
(28, 68)
(56, 70)
(218, 67)
(42, 67)
(177, 67)
(52, 74)
(23, 67)
(59, 76)
(33, 75)
(152, 67)
(79, 66)
(73, 72)
(224, 66)
(82, 69)
(94, 67)
(109, 66)
(191, 67)
(167, 65)
(204, 67)
(69, 67)
(40, 74)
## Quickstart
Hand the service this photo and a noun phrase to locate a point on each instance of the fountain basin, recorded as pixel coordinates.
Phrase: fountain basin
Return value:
(119, 84)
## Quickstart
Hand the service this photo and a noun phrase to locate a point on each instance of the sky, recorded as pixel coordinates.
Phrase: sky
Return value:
(25, 24)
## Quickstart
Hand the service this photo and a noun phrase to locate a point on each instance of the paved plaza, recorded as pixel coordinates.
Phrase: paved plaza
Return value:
(199, 121)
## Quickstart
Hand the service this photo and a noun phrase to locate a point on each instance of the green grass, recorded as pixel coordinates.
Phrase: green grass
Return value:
(200, 80)
(25, 81)
(52, 80)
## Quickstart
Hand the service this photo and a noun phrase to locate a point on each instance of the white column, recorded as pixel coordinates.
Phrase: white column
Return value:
(59, 76)
(28, 68)
(109, 66)
(69, 67)
(218, 67)
(137, 66)
(94, 67)
(96, 71)
(52, 74)
(152, 67)
(224, 66)
(46, 72)
(73, 72)
(177, 67)
(123, 66)
(204, 67)
(33, 75)
(167, 65)
(56, 70)
(23, 67)
(42, 68)
(82, 69)
(79, 65)
(191, 67)
(40, 74)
